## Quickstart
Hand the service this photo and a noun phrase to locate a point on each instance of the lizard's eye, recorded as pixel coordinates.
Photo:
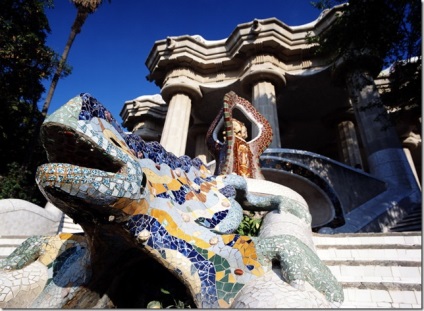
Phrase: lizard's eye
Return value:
(143, 183)
(117, 141)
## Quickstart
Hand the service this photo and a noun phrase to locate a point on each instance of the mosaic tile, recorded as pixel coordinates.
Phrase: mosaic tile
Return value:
(171, 207)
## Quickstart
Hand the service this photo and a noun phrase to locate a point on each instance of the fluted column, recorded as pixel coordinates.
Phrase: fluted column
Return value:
(174, 134)
(264, 77)
(263, 99)
(349, 144)
(198, 133)
(201, 150)
(386, 158)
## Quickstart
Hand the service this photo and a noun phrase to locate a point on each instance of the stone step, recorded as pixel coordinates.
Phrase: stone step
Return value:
(414, 214)
(358, 249)
(376, 270)
(69, 226)
(416, 220)
(9, 243)
(391, 298)
(355, 239)
(411, 222)
(415, 226)
(368, 254)
(373, 274)
(6, 250)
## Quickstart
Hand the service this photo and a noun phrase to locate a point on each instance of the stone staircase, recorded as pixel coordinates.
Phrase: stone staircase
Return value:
(376, 270)
(67, 225)
(8, 243)
(411, 222)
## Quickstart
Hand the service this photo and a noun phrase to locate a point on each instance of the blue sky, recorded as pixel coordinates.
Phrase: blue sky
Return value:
(108, 56)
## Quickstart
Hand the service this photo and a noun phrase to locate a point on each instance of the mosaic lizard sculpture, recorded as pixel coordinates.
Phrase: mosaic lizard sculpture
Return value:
(135, 201)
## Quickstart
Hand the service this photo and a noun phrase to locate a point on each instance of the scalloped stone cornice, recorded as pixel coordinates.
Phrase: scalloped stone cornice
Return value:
(267, 41)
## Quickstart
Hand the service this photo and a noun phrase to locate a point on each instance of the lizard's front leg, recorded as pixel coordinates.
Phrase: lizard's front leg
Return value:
(22, 277)
(39, 264)
(254, 202)
(299, 264)
(25, 254)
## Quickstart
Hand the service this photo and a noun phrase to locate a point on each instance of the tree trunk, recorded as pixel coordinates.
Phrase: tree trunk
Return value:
(82, 15)
(79, 21)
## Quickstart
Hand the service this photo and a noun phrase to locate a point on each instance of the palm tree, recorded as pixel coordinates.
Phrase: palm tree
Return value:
(84, 9)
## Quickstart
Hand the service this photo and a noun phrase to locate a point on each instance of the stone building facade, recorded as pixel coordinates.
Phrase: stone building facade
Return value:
(354, 175)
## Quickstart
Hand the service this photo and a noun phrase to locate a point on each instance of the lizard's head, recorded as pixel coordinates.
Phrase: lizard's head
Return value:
(92, 166)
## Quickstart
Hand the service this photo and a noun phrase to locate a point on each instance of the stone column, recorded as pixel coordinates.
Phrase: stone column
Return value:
(201, 150)
(174, 134)
(349, 144)
(264, 77)
(386, 158)
(180, 92)
(144, 116)
(263, 99)
(197, 133)
(410, 143)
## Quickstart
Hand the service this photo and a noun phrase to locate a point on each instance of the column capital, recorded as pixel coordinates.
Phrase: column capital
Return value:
(412, 141)
(184, 85)
(143, 108)
(263, 68)
(355, 60)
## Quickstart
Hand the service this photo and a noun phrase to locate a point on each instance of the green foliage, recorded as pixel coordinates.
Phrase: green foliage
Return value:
(404, 97)
(250, 225)
(166, 295)
(171, 294)
(25, 61)
(84, 8)
(390, 31)
(18, 183)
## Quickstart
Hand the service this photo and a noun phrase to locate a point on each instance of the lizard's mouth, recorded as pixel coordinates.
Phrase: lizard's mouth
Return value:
(65, 145)
(78, 172)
